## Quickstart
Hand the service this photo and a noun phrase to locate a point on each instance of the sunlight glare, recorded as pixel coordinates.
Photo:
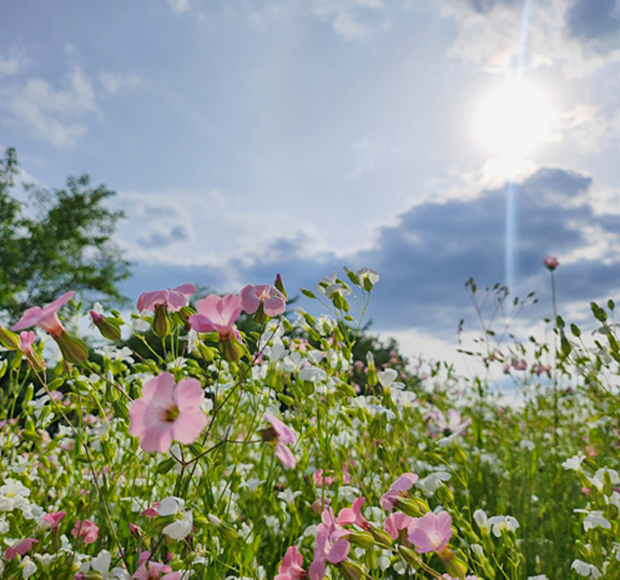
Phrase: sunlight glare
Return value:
(514, 119)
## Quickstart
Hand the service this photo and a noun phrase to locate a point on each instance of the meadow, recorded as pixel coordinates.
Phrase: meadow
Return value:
(240, 437)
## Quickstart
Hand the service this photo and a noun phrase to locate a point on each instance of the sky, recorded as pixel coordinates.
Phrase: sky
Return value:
(246, 138)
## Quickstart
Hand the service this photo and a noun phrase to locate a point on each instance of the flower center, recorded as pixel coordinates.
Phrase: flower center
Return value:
(171, 414)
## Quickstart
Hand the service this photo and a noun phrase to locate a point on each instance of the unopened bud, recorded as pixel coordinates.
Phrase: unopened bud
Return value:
(279, 285)
(161, 325)
(73, 349)
(363, 539)
(108, 327)
(9, 339)
(350, 570)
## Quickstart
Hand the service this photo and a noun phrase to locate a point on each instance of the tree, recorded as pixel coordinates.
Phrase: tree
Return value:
(59, 241)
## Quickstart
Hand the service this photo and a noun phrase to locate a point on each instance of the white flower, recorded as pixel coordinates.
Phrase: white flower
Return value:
(539, 577)
(368, 274)
(288, 496)
(12, 494)
(28, 567)
(387, 378)
(501, 523)
(433, 482)
(181, 528)
(586, 570)
(595, 519)
(480, 517)
(527, 444)
(574, 462)
(45, 560)
(312, 374)
(102, 563)
(598, 479)
(170, 506)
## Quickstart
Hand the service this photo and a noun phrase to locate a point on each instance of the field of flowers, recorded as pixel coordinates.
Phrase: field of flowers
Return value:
(198, 447)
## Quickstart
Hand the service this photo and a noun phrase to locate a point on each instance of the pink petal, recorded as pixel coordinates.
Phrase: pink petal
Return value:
(274, 306)
(249, 300)
(160, 387)
(158, 438)
(346, 516)
(187, 289)
(208, 307)
(189, 394)
(137, 410)
(176, 300)
(200, 323)
(30, 318)
(317, 570)
(285, 455)
(231, 309)
(55, 306)
(189, 425)
(339, 551)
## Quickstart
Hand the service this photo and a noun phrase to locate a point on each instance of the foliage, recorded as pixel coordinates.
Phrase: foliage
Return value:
(60, 241)
(530, 488)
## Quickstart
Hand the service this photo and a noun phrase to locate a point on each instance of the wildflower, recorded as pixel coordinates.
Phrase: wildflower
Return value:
(150, 570)
(264, 300)
(353, 515)
(585, 569)
(172, 299)
(291, 566)
(595, 519)
(331, 545)
(574, 462)
(397, 490)
(284, 438)
(20, 548)
(72, 348)
(102, 564)
(431, 533)
(551, 263)
(167, 411)
(183, 524)
(86, 530)
(217, 314)
(396, 522)
(26, 340)
(500, 523)
(12, 494)
(53, 519)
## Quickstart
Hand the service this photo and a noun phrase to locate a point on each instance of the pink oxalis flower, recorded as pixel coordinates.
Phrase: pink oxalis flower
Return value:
(45, 318)
(353, 515)
(272, 301)
(154, 570)
(21, 548)
(396, 522)
(397, 490)
(331, 545)
(284, 438)
(167, 412)
(173, 299)
(217, 314)
(431, 533)
(54, 519)
(551, 263)
(291, 566)
(86, 530)
(26, 340)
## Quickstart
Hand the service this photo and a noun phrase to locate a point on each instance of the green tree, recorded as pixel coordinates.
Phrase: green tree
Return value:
(60, 240)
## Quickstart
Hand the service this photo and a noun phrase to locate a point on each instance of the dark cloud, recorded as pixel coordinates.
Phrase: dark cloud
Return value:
(425, 258)
(593, 19)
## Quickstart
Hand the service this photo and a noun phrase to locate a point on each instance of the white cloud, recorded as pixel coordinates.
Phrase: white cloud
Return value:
(491, 38)
(352, 19)
(52, 113)
(11, 64)
(180, 6)
(113, 83)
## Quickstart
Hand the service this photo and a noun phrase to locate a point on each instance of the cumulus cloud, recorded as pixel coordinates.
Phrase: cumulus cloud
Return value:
(578, 35)
(428, 253)
(113, 83)
(10, 64)
(57, 112)
(352, 19)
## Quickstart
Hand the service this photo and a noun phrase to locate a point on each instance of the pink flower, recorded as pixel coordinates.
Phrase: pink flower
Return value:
(551, 263)
(290, 568)
(21, 548)
(284, 438)
(397, 490)
(271, 299)
(353, 515)
(331, 545)
(53, 519)
(173, 299)
(217, 314)
(167, 411)
(86, 530)
(431, 533)
(282, 432)
(396, 522)
(153, 570)
(453, 424)
(26, 340)
(45, 318)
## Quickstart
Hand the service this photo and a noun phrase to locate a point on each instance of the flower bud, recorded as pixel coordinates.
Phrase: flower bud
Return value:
(409, 556)
(108, 327)
(350, 570)
(380, 536)
(73, 349)
(372, 371)
(232, 349)
(456, 567)
(161, 325)
(8, 339)
(279, 285)
(363, 539)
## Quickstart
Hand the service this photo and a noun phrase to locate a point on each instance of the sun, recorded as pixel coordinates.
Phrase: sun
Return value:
(514, 119)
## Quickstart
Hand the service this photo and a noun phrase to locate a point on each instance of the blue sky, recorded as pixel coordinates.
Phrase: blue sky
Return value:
(246, 138)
